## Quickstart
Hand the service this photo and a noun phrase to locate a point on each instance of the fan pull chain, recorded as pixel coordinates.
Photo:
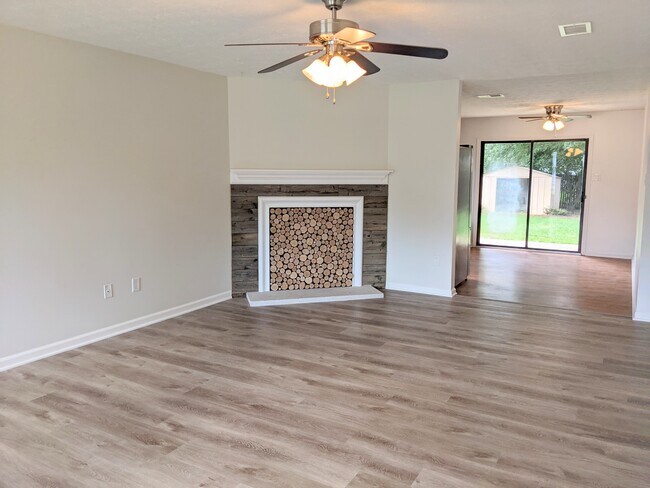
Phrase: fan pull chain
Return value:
(327, 95)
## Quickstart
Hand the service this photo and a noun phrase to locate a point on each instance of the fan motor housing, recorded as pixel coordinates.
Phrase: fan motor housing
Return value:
(324, 30)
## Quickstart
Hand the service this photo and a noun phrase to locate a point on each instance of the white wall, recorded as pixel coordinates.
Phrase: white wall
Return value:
(641, 264)
(614, 155)
(423, 150)
(111, 166)
(281, 124)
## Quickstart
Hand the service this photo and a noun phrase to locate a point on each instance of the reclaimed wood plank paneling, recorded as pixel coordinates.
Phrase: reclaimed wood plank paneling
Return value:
(244, 228)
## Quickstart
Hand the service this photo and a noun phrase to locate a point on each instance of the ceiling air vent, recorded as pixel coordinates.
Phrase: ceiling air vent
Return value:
(491, 95)
(575, 29)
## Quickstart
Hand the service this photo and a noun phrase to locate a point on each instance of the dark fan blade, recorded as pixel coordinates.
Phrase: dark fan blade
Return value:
(417, 51)
(576, 116)
(533, 118)
(370, 67)
(289, 61)
(275, 44)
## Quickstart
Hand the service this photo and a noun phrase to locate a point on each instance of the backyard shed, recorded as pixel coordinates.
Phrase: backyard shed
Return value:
(506, 190)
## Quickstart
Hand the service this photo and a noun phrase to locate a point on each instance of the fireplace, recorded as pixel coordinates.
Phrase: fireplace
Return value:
(292, 229)
(310, 242)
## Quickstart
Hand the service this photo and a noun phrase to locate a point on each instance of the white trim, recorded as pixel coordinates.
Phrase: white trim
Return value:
(264, 252)
(42, 352)
(308, 177)
(605, 255)
(320, 295)
(641, 317)
(439, 292)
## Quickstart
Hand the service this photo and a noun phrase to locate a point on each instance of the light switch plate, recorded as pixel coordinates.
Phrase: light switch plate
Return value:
(136, 284)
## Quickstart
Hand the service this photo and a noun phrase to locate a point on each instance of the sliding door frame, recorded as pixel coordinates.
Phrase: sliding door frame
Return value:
(532, 142)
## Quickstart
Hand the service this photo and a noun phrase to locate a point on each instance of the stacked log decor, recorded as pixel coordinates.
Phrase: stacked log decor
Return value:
(244, 228)
(311, 247)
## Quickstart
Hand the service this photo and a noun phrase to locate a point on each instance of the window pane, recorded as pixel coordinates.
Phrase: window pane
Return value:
(556, 195)
(504, 194)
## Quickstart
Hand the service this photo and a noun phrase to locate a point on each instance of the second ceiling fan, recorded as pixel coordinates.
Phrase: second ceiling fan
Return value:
(339, 43)
(554, 119)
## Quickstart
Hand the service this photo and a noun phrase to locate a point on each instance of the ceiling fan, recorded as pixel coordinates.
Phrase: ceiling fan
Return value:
(340, 43)
(554, 120)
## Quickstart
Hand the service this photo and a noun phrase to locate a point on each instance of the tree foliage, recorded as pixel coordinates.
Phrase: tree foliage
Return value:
(503, 155)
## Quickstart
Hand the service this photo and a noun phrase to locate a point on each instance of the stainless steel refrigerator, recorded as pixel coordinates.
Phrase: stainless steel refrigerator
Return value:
(463, 214)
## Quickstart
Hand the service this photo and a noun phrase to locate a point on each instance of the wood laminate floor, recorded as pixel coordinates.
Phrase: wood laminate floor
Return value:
(409, 391)
(550, 279)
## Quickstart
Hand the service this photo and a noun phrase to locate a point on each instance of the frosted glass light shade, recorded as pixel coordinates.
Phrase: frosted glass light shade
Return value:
(548, 125)
(334, 73)
(551, 125)
(353, 72)
(319, 72)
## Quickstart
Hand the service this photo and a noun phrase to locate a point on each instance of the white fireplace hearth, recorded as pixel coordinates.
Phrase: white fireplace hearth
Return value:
(270, 298)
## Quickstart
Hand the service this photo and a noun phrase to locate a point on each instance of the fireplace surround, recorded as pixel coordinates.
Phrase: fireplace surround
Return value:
(310, 229)
(252, 197)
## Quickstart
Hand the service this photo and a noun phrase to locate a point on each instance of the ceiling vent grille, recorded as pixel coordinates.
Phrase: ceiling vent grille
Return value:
(575, 29)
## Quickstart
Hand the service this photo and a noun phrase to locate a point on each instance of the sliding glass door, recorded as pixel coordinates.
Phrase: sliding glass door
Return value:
(532, 194)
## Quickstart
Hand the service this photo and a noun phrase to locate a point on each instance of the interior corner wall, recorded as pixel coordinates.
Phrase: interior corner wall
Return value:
(285, 124)
(613, 171)
(112, 166)
(423, 135)
(641, 263)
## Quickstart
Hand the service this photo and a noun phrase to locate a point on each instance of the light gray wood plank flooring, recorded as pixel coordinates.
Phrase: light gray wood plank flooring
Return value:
(409, 391)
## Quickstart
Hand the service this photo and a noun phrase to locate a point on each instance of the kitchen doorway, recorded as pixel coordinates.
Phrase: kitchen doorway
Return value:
(532, 194)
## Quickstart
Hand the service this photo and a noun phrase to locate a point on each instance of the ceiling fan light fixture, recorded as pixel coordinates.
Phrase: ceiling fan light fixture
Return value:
(333, 71)
(319, 73)
(552, 124)
(549, 125)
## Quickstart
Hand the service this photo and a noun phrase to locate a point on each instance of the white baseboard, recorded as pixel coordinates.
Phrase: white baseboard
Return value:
(439, 292)
(605, 255)
(42, 352)
(642, 317)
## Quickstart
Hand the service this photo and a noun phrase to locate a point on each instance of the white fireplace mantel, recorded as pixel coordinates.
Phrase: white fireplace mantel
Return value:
(309, 177)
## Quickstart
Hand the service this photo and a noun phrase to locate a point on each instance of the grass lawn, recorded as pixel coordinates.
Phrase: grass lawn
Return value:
(543, 228)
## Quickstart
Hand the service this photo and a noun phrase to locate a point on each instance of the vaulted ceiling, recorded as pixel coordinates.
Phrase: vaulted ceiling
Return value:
(504, 46)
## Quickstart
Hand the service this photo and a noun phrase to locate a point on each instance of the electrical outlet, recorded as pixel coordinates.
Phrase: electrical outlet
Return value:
(136, 284)
(108, 290)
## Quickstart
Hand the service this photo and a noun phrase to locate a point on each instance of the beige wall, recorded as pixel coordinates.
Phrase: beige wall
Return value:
(111, 166)
(423, 150)
(613, 171)
(281, 124)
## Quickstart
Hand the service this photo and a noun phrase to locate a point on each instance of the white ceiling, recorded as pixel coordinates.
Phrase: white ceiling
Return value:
(503, 46)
